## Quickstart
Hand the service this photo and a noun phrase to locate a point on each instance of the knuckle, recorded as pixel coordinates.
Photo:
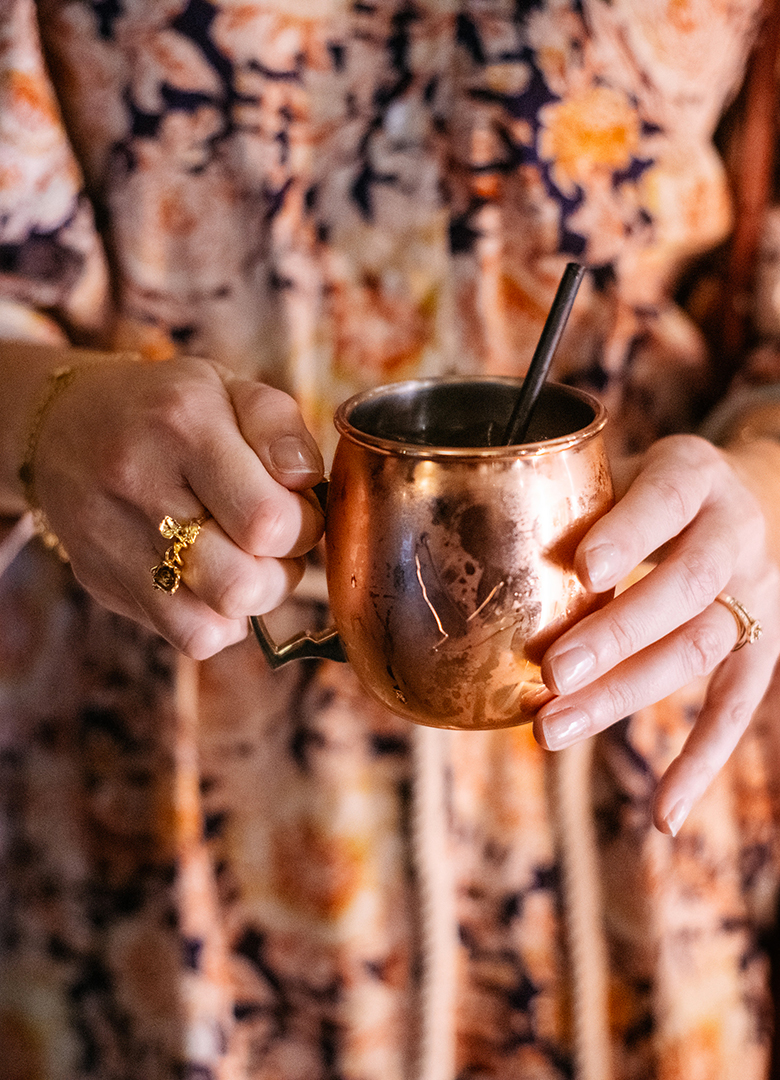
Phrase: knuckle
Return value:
(754, 527)
(703, 577)
(625, 637)
(272, 530)
(679, 503)
(272, 398)
(179, 408)
(703, 650)
(170, 418)
(231, 597)
(683, 470)
(260, 592)
(205, 640)
(703, 455)
(620, 700)
(693, 451)
(736, 716)
(279, 580)
(260, 398)
(122, 470)
(703, 773)
(182, 401)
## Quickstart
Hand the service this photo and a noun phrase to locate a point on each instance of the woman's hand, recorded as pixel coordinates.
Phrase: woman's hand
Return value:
(127, 444)
(686, 502)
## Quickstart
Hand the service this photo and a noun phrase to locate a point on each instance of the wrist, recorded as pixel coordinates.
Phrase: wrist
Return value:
(51, 385)
(56, 383)
(755, 459)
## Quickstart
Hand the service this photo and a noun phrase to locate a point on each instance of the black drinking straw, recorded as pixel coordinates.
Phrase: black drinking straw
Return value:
(540, 364)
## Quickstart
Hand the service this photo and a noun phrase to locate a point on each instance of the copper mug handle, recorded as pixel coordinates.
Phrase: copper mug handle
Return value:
(320, 645)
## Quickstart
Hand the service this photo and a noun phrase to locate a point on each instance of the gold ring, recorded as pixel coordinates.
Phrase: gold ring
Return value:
(167, 574)
(748, 628)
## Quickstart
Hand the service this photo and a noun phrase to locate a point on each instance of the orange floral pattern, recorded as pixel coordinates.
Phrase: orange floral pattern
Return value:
(208, 871)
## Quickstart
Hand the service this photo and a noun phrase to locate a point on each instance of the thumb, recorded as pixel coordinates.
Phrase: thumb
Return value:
(272, 424)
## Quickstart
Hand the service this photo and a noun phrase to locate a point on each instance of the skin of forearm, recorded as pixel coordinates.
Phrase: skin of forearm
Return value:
(24, 378)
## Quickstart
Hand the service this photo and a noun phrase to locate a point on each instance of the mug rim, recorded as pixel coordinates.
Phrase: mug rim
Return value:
(515, 450)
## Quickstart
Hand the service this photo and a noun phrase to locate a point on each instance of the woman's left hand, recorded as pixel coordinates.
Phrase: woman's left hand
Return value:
(685, 501)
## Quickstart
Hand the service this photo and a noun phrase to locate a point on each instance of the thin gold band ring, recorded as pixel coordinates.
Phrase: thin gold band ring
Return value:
(748, 628)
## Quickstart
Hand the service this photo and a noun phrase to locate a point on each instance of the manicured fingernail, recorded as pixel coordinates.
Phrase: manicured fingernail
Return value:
(563, 728)
(570, 669)
(603, 565)
(675, 819)
(290, 454)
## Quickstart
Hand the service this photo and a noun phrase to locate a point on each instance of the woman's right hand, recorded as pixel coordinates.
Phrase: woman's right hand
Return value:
(128, 443)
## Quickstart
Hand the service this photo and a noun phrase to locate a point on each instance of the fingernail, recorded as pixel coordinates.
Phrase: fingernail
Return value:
(603, 565)
(290, 454)
(563, 728)
(675, 819)
(570, 669)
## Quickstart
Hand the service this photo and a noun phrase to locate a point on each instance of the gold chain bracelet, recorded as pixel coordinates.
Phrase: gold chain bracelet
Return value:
(58, 380)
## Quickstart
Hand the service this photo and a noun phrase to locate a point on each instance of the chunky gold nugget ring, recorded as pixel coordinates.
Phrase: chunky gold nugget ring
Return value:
(748, 628)
(167, 574)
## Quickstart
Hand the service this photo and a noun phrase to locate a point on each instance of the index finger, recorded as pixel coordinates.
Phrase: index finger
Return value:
(665, 496)
(272, 424)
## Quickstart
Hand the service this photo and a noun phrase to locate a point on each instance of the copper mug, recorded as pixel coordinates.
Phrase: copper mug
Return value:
(449, 557)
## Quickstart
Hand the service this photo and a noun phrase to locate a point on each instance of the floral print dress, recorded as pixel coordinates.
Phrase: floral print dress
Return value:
(215, 872)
